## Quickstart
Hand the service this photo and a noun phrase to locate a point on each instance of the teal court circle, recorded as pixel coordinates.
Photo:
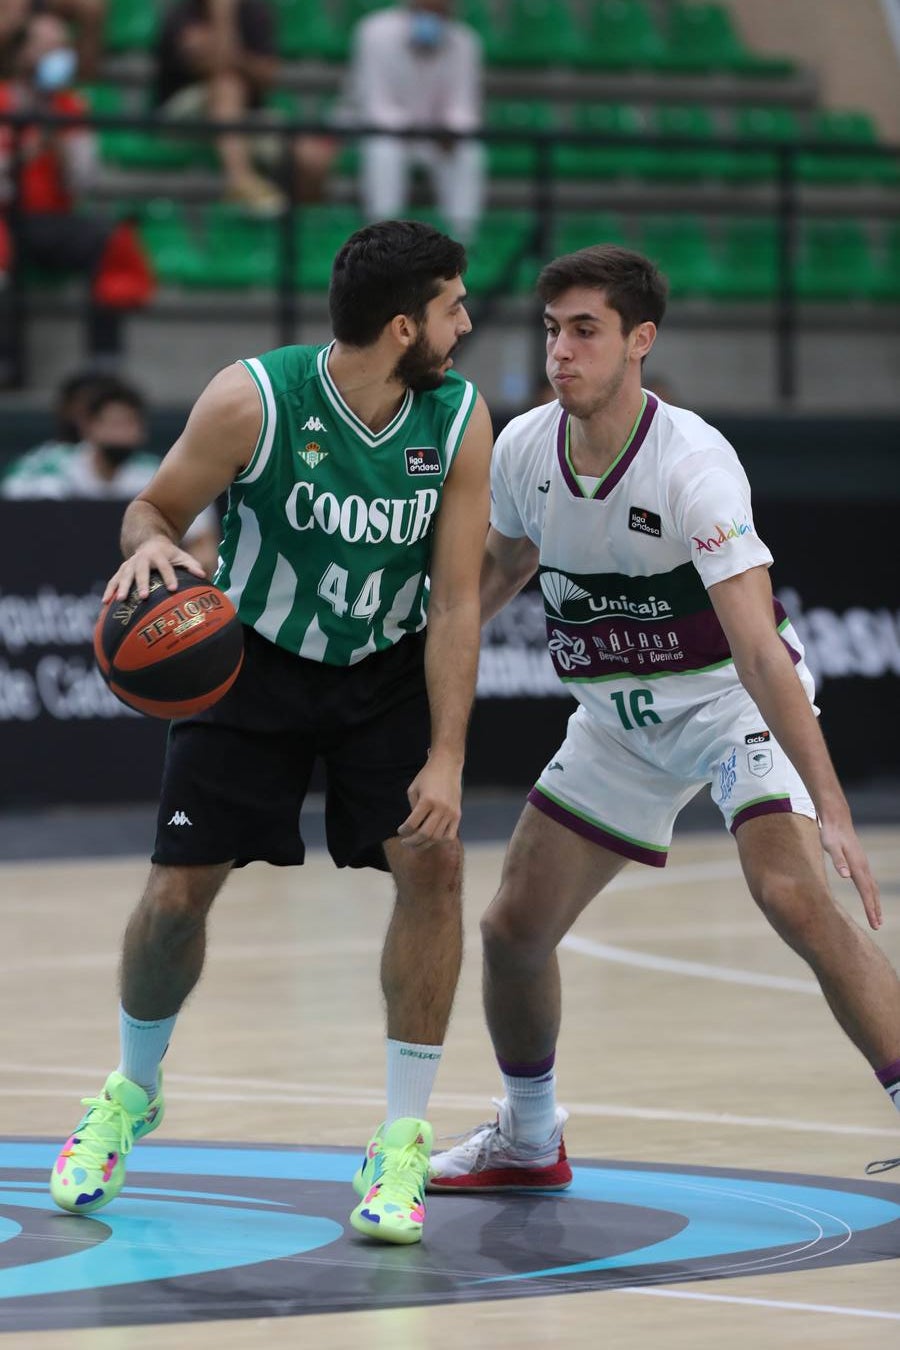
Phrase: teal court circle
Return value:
(228, 1231)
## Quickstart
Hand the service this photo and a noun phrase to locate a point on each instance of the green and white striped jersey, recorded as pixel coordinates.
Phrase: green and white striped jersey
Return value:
(327, 537)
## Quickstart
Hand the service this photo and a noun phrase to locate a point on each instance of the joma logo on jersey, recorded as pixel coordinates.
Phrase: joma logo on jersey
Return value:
(422, 459)
(402, 520)
(312, 454)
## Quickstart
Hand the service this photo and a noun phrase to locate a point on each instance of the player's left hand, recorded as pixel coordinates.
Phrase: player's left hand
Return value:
(435, 795)
(843, 847)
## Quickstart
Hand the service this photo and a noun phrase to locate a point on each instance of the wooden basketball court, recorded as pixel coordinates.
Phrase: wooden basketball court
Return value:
(692, 1039)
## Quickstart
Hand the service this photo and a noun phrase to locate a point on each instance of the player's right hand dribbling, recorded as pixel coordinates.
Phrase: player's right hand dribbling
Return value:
(156, 555)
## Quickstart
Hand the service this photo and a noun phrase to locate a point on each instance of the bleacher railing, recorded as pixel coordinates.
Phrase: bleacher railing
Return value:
(778, 201)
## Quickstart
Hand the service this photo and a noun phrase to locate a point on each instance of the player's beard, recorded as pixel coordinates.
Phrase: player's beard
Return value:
(419, 368)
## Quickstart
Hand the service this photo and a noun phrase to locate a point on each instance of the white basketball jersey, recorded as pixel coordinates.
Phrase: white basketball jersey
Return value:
(625, 561)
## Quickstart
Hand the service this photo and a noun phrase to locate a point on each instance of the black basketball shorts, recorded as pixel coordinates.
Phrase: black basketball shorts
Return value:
(235, 776)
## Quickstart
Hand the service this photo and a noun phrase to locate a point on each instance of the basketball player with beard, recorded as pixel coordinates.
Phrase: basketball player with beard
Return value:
(636, 516)
(356, 476)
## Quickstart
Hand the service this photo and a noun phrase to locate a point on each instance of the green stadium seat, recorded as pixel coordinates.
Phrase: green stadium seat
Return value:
(516, 159)
(173, 246)
(603, 161)
(130, 25)
(770, 123)
(539, 33)
(686, 162)
(480, 16)
(845, 129)
(622, 35)
(748, 260)
(835, 261)
(240, 250)
(308, 30)
(500, 256)
(575, 232)
(886, 279)
(320, 232)
(702, 38)
(680, 247)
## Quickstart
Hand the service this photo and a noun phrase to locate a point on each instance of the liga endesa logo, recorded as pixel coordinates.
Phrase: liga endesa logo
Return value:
(722, 536)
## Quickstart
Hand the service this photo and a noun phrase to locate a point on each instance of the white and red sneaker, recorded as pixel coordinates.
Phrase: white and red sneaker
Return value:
(489, 1159)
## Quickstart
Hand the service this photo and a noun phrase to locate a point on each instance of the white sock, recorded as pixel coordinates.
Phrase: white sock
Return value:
(142, 1046)
(411, 1071)
(532, 1107)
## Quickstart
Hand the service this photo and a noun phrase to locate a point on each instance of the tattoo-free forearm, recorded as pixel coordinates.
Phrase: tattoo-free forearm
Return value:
(143, 521)
(451, 670)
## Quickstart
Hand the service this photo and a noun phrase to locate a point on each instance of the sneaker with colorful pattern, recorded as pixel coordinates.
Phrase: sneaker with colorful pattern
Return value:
(491, 1159)
(391, 1182)
(90, 1170)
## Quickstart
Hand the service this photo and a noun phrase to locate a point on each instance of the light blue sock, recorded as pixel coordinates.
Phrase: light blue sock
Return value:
(142, 1046)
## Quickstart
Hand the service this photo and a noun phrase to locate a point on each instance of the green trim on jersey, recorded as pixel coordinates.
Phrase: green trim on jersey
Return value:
(327, 536)
(598, 482)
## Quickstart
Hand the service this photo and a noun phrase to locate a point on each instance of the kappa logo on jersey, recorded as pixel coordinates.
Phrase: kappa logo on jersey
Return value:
(757, 738)
(644, 521)
(313, 424)
(312, 453)
(181, 818)
(544, 487)
(422, 459)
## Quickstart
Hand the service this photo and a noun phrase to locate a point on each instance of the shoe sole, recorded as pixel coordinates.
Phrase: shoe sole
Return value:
(383, 1235)
(470, 1186)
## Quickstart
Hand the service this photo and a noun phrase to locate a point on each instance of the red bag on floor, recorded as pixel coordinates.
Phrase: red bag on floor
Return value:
(124, 279)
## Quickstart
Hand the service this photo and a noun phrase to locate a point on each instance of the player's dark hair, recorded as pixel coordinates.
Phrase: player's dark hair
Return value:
(632, 285)
(112, 390)
(390, 268)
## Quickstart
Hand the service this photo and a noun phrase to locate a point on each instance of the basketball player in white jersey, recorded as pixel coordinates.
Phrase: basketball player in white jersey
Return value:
(661, 620)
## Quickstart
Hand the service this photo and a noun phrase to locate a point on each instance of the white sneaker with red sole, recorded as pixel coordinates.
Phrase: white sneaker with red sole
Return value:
(488, 1159)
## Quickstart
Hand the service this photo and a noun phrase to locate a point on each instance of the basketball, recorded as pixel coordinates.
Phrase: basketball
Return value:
(174, 653)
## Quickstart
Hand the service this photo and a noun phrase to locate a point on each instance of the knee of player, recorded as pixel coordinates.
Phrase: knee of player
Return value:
(174, 905)
(511, 938)
(796, 907)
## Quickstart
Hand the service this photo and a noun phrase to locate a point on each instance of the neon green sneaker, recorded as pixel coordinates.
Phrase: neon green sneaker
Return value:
(90, 1170)
(392, 1180)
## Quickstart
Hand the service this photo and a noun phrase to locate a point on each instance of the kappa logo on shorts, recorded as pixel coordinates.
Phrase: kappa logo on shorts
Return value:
(760, 762)
(757, 738)
(644, 521)
(180, 818)
(422, 459)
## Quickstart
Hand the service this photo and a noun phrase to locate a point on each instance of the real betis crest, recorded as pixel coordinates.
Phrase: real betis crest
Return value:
(312, 454)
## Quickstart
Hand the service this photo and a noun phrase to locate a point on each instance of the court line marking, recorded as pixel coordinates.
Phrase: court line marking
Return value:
(203, 1088)
(625, 956)
(832, 1308)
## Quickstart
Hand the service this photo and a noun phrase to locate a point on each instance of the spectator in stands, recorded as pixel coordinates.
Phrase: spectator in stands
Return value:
(415, 66)
(109, 462)
(70, 410)
(58, 166)
(87, 18)
(218, 59)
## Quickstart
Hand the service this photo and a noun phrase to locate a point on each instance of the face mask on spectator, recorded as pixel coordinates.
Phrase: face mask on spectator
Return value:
(427, 30)
(56, 69)
(117, 455)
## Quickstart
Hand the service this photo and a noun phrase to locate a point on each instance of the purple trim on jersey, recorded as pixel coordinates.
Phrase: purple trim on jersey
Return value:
(780, 616)
(772, 806)
(542, 1069)
(595, 833)
(694, 642)
(569, 478)
(617, 472)
(889, 1075)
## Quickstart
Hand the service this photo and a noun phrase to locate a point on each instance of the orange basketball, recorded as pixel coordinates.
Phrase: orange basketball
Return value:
(173, 654)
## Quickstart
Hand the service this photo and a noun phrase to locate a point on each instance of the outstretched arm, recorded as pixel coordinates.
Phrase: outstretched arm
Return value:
(451, 647)
(743, 604)
(216, 443)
